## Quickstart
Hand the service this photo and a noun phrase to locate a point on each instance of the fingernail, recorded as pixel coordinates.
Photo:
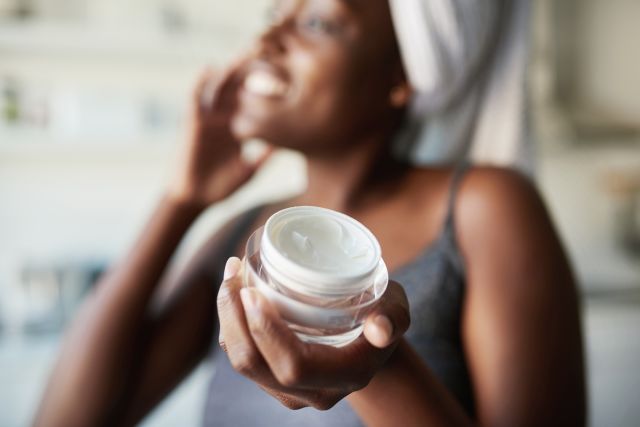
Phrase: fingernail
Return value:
(249, 300)
(231, 268)
(384, 326)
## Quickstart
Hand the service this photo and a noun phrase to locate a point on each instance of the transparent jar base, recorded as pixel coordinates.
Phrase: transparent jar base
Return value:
(334, 322)
(323, 336)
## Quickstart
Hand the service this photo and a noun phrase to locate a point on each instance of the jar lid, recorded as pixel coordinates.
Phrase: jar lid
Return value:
(319, 251)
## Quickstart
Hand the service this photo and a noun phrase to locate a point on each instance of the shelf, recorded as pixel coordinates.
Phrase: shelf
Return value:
(137, 44)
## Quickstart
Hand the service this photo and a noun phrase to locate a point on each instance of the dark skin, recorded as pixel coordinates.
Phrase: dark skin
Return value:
(141, 333)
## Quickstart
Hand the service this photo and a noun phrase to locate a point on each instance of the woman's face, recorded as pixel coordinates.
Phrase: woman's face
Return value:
(320, 75)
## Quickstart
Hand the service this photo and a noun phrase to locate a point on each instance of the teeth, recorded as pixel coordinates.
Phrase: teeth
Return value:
(265, 84)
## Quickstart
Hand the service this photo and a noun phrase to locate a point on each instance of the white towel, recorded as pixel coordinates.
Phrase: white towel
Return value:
(466, 61)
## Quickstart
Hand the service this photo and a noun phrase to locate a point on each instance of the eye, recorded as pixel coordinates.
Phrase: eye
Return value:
(316, 24)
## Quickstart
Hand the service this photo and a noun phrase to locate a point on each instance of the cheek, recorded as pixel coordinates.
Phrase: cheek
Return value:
(332, 91)
(346, 82)
(319, 79)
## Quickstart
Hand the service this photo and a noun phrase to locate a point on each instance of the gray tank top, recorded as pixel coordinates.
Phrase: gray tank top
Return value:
(434, 282)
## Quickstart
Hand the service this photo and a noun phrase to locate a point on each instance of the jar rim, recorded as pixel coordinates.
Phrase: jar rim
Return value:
(253, 263)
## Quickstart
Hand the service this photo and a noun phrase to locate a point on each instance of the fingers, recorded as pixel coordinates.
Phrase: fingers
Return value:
(246, 358)
(263, 342)
(303, 366)
(217, 90)
(248, 324)
(279, 346)
(201, 97)
(390, 319)
(226, 88)
(235, 337)
(208, 90)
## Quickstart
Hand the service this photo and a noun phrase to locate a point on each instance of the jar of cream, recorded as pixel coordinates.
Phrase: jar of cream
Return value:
(322, 270)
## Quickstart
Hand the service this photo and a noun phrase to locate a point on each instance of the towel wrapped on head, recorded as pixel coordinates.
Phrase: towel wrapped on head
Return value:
(466, 62)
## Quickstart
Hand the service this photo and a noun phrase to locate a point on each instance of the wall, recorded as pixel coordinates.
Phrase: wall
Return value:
(580, 66)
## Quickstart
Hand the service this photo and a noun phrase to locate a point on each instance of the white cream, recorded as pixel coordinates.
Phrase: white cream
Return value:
(323, 244)
(316, 250)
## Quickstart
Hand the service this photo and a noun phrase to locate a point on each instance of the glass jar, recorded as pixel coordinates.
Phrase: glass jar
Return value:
(321, 269)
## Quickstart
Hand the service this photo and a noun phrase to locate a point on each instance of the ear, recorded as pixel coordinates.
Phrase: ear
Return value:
(400, 94)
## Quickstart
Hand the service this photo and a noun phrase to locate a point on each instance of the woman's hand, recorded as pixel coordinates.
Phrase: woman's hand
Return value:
(261, 347)
(210, 167)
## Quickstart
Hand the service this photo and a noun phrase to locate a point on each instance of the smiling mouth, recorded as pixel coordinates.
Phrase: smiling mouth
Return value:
(265, 84)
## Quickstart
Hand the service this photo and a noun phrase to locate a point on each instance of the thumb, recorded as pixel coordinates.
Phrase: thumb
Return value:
(390, 319)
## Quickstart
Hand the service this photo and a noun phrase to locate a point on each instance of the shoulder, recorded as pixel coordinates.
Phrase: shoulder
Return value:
(501, 220)
(483, 195)
(490, 196)
(497, 194)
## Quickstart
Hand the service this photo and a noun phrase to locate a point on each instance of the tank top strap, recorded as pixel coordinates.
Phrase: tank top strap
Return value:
(456, 178)
(448, 230)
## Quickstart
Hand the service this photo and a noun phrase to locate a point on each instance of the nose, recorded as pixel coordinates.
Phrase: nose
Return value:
(272, 38)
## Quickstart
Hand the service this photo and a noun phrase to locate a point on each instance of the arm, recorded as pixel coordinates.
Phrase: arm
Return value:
(521, 324)
(123, 354)
(405, 392)
(105, 340)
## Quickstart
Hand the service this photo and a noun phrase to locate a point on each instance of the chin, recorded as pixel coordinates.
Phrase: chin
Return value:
(245, 128)
(278, 132)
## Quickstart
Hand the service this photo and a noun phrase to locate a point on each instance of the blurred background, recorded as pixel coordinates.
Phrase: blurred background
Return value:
(93, 98)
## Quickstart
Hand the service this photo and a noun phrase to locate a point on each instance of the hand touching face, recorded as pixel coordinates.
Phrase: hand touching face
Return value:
(210, 166)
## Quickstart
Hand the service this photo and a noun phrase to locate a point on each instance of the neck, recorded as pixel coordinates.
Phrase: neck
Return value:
(346, 179)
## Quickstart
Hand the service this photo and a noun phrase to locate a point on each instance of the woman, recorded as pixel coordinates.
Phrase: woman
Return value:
(494, 336)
